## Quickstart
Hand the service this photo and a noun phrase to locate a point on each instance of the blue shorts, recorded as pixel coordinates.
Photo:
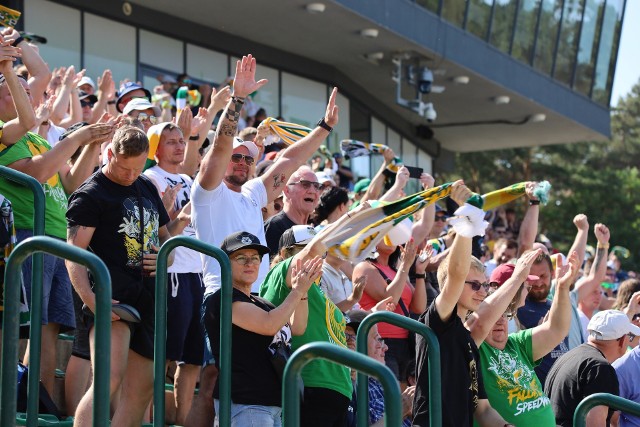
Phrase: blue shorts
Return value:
(57, 302)
(185, 336)
(208, 354)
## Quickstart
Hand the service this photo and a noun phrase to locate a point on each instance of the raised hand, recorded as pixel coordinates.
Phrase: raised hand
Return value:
(183, 121)
(581, 222)
(524, 264)
(44, 109)
(460, 193)
(408, 255)
(331, 114)
(602, 233)
(304, 275)
(388, 155)
(244, 82)
(219, 99)
(358, 288)
(423, 259)
(199, 122)
(566, 272)
(386, 304)
(402, 176)
(169, 198)
(96, 133)
(8, 55)
(426, 180)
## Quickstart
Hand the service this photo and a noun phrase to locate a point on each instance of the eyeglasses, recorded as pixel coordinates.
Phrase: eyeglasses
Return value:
(349, 336)
(244, 260)
(631, 337)
(441, 218)
(475, 285)
(380, 340)
(146, 117)
(237, 158)
(87, 104)
(307, 184)
(636, 317)
(509, 315)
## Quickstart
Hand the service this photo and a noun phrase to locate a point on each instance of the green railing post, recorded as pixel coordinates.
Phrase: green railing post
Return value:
(614, 402)
(11, 325)
(35, 307)
(160, 337)
(433, 355)
(352, 359)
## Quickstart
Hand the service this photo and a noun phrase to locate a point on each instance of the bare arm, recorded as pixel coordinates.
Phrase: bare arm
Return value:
(75, 110)
(61, 105)
(486, 416)
(106, 89)
(598, 271)
(395, 192)
(298, 153)
(551, 332)
(16, 128)
(597, 417)
(421, 228)
(580, 242)
(529, 226)
(375, 186)
(215, 162)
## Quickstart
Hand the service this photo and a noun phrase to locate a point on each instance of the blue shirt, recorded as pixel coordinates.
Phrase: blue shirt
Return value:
(628, 371)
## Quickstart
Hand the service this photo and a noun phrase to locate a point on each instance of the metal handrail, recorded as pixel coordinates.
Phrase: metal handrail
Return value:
(433, 356)
(35, 330)
(160, 337)
(11, 325)
(605, 399)
(352, 359)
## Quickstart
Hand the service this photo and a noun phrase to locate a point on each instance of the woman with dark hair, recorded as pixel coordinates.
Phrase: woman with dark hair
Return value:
(333, 204)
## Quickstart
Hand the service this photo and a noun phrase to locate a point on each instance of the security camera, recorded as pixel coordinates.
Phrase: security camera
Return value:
(425, 79)
(430, 113)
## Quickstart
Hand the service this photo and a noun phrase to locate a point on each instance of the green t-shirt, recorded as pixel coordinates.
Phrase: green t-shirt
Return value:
(511, 383)
(22, 197)
(325, 323)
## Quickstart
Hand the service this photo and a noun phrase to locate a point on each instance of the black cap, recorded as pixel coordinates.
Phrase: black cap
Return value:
(242, 240)
(296, 235)
(355, 317)
(82, 95)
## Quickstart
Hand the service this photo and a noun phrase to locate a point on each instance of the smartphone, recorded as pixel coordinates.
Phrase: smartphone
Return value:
(414, 172)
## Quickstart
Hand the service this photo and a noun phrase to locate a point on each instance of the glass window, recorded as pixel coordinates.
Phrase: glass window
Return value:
(342, 129)
(453, 11)
(207, 65)
(378, 132)
(525, 30)
(425, 162)
(268, 96)
(100, 32)
(547, 35)
(303, 100)
(502, 25)
(568, 43)
(162, 52)
(394, 141)
(478, 18)
(409, 158)
(61, 26)
(608, 50)
(589, 36)
(431, 5)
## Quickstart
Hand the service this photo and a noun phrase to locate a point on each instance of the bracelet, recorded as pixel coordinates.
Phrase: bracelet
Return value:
(194, 137)
(112, 102)
(602, 246)
(422, 276)
(17, 41)
(534, 202)
(324, 125)
(237, 100)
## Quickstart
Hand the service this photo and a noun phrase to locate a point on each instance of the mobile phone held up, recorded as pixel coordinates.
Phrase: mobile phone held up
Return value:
(414, 172)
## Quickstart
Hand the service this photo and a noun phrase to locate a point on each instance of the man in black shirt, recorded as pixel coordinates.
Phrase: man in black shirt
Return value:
(587, 369)
(118, 214)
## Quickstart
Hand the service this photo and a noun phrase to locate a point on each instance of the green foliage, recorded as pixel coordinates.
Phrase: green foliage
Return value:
(601, 180)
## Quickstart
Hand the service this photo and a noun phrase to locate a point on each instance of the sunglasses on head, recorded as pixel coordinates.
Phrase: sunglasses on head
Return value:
(307, 184)
(237, 158)
(475, 285)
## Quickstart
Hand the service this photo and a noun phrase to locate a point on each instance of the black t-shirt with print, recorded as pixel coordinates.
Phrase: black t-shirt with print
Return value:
(461, 377)
(112, 209)
(253, 377)
(579, 373)
(275, 227)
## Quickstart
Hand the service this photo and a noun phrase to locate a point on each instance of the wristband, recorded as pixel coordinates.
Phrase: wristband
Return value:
(17, 41)
(194, 137)
(324, 125)
(534, 202)
(603, 245)
(237, 100)
(113, 102)
(422, 276)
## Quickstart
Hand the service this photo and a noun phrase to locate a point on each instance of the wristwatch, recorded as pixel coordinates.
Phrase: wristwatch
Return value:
(422, 276)
(534, 202)
(324, 125)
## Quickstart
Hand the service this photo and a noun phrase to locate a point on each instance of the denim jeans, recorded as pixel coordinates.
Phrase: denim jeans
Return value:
(253, 415)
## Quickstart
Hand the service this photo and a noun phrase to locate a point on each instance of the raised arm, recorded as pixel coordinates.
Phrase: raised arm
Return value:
(459, 262)
(598, 271)
(551, 332)
(395, 192)
(375, 186)
(529, 226)
(421, 228)
(215, 162)
(580, 242)
(497, 303)
(16, 128)
(298, 153)
(61, 105)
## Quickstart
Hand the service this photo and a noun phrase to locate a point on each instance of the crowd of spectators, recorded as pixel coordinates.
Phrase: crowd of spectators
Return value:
(525, 332)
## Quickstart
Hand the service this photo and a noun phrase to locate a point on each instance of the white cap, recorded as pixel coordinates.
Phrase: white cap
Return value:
(140, 104)
(297, 235)
(325, 177)
(611, 325)
(86, 80)
(253, 150)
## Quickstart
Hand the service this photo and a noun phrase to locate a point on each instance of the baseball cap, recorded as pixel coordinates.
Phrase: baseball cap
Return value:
(355, 317)
(86, 80)
(611, 325)
(242, 240)
(82, 95)
(296, 235)
(361, 185)
(249, 145)
(140, 104)
(127, 88)
(324, 177)
(503, 272)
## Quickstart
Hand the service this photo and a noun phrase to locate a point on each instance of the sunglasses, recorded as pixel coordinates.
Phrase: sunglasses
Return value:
(87, 104)
(243, 260)
(441, 218)
(307, 184)
(146, 117)
(349, 336)
(475, 285)
(237, 158)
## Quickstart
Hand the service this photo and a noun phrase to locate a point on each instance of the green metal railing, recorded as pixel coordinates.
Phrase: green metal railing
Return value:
(352, 359)
(433, 355)
(11, 326)
(160, 337)
(605, 399)
(35, 331)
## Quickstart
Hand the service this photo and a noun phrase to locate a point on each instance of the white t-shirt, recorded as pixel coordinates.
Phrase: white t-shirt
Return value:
(335, 284)
(186, 260)
(217, 213)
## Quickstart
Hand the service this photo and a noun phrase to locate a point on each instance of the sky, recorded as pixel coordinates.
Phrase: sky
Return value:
(628, 66)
